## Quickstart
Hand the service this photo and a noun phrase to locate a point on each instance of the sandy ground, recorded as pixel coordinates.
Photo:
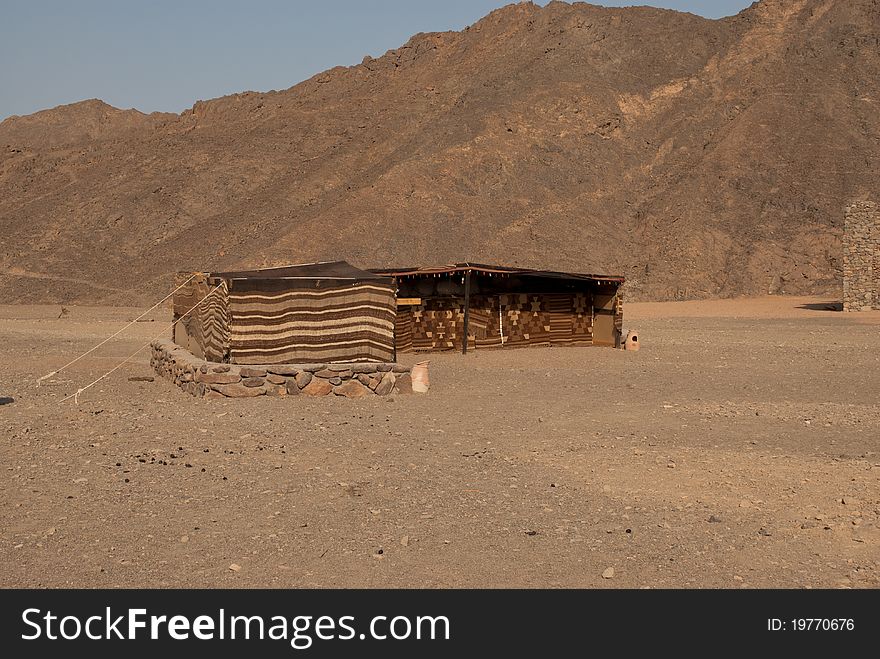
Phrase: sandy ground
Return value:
(738, 448)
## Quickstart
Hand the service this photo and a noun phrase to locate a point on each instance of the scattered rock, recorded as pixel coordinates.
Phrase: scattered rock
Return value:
(210, 394)
(303, 379)
(292, 388)
(253, 381)
(6, 400)
(745, 503)
(335, 381)
(141, 378)
(275, 379)
(222, 368)
(251, 372)
(184, 539)
(404, 541)
(531, 533)
(384, 368)
(608, 573)
(714, 520)
(235, 567)
(325, 373)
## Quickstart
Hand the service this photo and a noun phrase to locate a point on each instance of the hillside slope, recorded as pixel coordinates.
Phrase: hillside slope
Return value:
(697, 157)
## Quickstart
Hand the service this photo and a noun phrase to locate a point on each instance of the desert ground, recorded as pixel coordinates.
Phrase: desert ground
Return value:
(737, 449)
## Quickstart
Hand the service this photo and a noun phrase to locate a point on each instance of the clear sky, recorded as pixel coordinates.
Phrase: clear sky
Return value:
(167, 54)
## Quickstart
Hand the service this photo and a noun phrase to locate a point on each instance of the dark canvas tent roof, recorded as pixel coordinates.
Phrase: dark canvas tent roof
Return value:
(491, 269)
(338, 270)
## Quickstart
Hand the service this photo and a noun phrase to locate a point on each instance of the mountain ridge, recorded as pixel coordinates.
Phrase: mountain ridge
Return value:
(698, 157)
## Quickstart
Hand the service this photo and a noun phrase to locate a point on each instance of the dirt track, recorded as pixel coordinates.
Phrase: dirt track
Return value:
(738, 448)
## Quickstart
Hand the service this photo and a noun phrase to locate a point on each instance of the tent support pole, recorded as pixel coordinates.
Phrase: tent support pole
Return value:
(467, 311)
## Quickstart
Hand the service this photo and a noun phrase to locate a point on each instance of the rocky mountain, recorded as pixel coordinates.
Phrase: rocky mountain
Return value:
(698, 157)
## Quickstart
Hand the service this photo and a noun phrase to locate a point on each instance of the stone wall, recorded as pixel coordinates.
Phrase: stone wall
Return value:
(206, 379)
(861, 257)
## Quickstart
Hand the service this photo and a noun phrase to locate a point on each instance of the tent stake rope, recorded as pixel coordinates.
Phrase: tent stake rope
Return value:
(75, 396)
(112, 336)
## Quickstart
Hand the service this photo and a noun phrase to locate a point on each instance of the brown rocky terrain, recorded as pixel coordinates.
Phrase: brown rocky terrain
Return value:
(698, 157)
(736, 449)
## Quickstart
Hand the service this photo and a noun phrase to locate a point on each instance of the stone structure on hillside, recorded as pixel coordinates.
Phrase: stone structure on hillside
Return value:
(861, 257)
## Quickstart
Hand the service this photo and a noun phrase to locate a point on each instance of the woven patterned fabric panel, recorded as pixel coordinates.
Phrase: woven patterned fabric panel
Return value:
(437, 324)
(351, 323)
(582, 320)
(496, 321)
(560, 311)
(618, 311)
(202, 312)
(214, 315)
(526, 319)
(484, 326)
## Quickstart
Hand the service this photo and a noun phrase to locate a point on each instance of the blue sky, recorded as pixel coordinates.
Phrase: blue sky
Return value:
(167, 54)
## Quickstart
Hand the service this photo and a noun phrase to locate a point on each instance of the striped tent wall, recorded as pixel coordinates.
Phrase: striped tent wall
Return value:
(202, 316)
(214, 313)
(275, 321)
(403, 332)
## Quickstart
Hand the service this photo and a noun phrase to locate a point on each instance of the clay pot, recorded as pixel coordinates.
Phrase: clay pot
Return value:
(419, 375)
(632, 341)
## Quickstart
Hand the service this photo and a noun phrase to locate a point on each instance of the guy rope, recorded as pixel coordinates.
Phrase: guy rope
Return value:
(75, 396)
(112, 336)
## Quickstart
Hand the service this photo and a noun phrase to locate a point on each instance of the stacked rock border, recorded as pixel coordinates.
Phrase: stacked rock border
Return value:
(212, 380)
(861, 257)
